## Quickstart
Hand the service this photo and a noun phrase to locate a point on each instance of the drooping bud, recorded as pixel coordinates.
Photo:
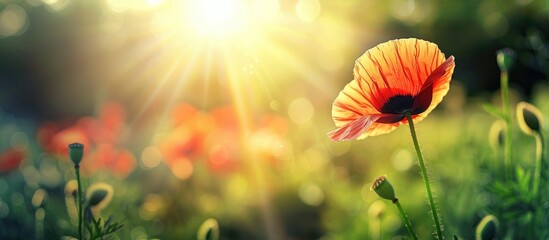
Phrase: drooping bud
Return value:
(99, 196)
(497, 135)
(505, 58)
(383, 188)
(530, 118)
(76, 151)
(209, 230)
(71, 192)
(487, 228)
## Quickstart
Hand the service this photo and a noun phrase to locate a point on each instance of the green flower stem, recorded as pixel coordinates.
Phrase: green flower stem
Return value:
(405, 219)
(538, 167)
(80, 210)
(425, 176)
(508, 148)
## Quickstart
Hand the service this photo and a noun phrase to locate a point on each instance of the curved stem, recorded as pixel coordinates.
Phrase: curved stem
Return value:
(405, 219)
(80, 210)
(425, 176)
(538, 167)
(508, 149)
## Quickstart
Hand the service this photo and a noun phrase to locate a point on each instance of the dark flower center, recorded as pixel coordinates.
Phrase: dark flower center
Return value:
(398, 104)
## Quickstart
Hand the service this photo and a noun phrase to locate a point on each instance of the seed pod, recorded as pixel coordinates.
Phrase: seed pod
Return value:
(76, 151)
(383, 188)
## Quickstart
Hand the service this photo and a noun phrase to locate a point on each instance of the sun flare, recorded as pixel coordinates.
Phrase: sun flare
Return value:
(216, 18)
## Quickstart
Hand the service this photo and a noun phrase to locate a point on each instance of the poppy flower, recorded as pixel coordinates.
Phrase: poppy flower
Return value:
(119, 161)
(10, 160)
(390, 80)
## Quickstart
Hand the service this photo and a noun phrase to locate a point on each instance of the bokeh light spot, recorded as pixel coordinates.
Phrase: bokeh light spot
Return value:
(17, 199)
(139, 233)
(151, 207)
(495, 25)
(13, 21)
(209, 202)
(40, 214)
(402, 160)
(301, 110)
(4, 209)
(274, 105)
(19, 141)
(182, 169)
(376, 209)
(56, 5)
(308, 10)
(49, 174)
(311, 194)
(39, 197)
(237, 186)
(151, 157)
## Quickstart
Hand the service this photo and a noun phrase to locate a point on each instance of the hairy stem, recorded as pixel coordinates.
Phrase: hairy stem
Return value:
(425, 176)
(405, 219)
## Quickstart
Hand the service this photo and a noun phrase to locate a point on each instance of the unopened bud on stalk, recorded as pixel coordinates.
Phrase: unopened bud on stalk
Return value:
(383, 188)
(487, 228)
(76, 151)
(497, 135)
(209, 230)
(530, 118)
(99, 195)
(505, 58)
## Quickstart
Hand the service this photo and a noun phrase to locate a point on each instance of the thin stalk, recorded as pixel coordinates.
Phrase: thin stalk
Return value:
(538, 167)
(508, 148)
(425, 176)
(405, 219)
(80, 210)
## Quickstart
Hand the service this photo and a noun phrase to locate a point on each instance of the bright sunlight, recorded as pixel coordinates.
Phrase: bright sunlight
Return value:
(216, 18)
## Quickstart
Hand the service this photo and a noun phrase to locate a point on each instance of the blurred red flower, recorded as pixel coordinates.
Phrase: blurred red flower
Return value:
(223, 141)
(185, 142)
(215, 139)
(119, 161)
(395, 77)
(101, 135)
(10, 159)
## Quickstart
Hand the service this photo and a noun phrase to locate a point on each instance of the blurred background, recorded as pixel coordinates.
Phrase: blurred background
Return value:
(198, 109)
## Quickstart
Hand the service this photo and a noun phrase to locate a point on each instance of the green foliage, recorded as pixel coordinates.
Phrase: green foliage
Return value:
(99, 229)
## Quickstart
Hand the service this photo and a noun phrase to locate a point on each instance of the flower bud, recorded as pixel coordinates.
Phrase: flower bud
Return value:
(487, 228)
(383, 188)
(99, 195)
(76, 151)
(497, 135)
(505, 58)
(530, 118)
(209, 230)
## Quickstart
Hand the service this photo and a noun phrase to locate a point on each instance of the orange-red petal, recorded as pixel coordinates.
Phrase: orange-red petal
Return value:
(397, 67)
